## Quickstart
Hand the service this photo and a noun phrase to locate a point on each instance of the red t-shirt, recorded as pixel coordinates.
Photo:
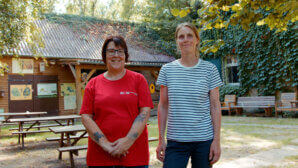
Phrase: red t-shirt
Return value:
(115, 105)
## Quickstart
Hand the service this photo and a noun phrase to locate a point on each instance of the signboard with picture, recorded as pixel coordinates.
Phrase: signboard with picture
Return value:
(46, 90)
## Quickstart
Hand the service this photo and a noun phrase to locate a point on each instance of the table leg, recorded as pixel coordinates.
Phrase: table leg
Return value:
(21, 129)
(70, 152)
(19, 136)
(61, 145)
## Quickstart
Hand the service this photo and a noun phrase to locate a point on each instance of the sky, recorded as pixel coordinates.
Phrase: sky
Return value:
(60, 6)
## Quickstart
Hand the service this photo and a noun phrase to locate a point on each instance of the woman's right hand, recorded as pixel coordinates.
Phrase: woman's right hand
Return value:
(161, 150)
(106, 146)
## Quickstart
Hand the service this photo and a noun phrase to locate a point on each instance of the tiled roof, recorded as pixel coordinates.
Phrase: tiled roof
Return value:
(62, 42)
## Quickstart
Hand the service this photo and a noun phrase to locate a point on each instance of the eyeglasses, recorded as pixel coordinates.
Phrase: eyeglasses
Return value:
(114, 51)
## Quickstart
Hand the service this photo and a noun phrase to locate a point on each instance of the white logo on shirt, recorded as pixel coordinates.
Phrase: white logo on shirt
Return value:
(127, 93)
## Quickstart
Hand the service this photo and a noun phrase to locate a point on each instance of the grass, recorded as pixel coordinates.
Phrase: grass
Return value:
(237, 140)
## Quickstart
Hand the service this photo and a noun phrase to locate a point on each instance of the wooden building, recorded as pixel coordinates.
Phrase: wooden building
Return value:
(55, 83)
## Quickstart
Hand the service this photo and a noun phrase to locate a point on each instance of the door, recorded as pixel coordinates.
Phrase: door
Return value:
(46, 95)
(21, 89)
(33, 93)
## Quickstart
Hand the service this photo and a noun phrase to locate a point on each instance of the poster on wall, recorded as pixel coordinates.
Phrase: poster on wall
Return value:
(70, 102)
(22, 66)
(1, 111)
(46, 90)
(68, 89)
(20, 92)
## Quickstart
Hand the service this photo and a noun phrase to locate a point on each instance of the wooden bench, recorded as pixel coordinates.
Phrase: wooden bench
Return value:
(264, 102)
(71, 137)
(72, 150)
(30, 132)
(230, 100)
(40, 126)
(288, 102)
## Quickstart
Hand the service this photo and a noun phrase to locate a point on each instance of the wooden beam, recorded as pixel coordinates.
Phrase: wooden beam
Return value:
(88, 77)
(130, 67)
(72, 70)
(142, 68)
(78, 88)
(155, 74)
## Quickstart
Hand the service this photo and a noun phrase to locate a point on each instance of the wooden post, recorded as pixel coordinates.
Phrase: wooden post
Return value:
(78, 88)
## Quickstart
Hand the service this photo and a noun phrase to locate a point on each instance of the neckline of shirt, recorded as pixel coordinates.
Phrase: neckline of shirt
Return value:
(126, 71)
(178, 62)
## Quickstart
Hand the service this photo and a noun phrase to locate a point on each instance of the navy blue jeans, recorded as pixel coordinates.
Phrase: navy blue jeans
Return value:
(178, 154)
(118, 166)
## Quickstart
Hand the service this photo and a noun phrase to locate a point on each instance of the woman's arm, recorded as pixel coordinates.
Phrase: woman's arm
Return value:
(163, 106)
(95, 133)
(122, 145)
(215, 150)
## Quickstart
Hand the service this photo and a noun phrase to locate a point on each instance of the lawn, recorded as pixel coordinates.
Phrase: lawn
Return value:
(240, 137)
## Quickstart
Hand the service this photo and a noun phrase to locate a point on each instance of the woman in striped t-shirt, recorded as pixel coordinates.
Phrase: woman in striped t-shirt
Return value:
(189, 101)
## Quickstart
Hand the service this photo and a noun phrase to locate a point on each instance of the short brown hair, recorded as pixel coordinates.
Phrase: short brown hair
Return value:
(119, 42)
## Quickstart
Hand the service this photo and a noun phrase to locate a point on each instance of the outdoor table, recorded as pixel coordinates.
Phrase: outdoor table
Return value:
(9, 115)
(37, 120)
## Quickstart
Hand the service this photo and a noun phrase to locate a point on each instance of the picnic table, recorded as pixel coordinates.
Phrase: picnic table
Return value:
(10, 115)
(68, 133)
(37, 121)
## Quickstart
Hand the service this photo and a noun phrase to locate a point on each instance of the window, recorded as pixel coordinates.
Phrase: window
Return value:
(231, 70)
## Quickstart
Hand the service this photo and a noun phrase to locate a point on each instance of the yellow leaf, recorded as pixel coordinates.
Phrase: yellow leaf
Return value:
(208, 26)
(183, 13)
(226, 8)
(218, 25)
(236, 7)
(175, 12)
(261, 22)
(294, 19)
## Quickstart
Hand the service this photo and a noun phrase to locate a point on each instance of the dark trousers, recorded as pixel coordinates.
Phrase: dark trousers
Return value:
(118, 166)
(178, 154)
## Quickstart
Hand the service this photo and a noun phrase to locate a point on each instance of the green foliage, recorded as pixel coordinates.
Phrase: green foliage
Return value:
(231, 90)
(268, 60)
(17, 23)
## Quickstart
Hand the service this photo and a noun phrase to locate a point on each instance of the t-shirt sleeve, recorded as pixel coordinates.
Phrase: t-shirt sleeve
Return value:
(144, 96)
(162, 77)
(87, 105)
(214, 80)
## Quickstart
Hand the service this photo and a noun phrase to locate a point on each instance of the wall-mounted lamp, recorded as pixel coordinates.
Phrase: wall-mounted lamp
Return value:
(52, 62)
(2, 93)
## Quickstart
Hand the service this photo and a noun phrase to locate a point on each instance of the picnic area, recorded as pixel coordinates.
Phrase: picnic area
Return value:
(50, 51)
(253, 142)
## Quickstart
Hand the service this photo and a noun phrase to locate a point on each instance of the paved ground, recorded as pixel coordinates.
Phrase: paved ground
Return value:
(265, 158)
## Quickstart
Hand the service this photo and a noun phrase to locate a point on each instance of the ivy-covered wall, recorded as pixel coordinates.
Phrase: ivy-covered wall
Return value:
(267, 60)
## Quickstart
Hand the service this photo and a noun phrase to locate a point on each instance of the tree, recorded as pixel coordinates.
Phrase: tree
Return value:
(221, 14)
(17, 23)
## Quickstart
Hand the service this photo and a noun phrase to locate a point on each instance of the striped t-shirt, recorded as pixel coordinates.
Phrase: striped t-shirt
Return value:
(189, 118)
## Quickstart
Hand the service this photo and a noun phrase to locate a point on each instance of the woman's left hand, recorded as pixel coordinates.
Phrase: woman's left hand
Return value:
(121, 147)
(215, 152)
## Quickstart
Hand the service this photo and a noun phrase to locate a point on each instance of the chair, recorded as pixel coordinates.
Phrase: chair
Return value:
(230, 100)
(288, 102)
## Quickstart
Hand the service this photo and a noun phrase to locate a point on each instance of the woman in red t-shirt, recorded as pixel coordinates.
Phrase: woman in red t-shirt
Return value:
(115, 110)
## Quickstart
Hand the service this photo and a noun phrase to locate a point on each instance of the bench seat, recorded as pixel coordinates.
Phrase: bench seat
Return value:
(265, 102)
(72, 148)
(40, 126)
(71, 137)
(151, 139)
(31, 132)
